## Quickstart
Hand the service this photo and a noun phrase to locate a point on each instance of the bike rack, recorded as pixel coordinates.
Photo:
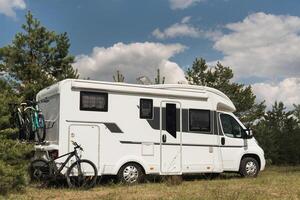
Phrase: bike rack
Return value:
(49, 123)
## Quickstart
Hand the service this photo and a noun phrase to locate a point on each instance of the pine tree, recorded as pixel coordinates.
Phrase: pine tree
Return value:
(37, 57)
(197, 75)
(119, 77)
(158, 79)
(220, 77)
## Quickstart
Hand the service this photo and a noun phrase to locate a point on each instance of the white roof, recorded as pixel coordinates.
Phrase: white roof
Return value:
(221, 101)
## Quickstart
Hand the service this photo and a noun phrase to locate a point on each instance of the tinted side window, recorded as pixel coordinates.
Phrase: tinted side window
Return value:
(93, 101)
(231, 127)
(146, 108)
(171, 119)
(199, 120)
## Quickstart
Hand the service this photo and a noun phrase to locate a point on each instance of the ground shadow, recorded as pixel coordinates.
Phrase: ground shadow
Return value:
(107, 181)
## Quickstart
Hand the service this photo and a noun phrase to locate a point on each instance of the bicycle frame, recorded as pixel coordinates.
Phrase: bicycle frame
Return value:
(34, 117)
(71, 154)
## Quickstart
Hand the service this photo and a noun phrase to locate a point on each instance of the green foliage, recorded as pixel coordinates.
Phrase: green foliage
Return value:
(7, 95)
(279, 135)
(220, 77)
(158, 79)
(119, 77)
(37, 58)
(14, 158)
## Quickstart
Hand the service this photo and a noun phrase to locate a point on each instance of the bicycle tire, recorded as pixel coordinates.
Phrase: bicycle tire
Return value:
(75, 180)
(41, 130)
(27, 127)
(39, 170)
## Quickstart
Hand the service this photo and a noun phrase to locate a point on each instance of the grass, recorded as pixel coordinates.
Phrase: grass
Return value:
(273, 183)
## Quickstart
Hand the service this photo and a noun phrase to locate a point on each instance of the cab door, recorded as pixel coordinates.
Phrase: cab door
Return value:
(170, 137)
(232, 144)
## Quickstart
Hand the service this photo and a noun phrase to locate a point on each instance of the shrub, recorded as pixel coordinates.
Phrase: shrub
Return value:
(14, 160)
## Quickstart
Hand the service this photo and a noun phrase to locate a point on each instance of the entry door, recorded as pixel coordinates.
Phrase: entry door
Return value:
(170, 137)
(88, 136)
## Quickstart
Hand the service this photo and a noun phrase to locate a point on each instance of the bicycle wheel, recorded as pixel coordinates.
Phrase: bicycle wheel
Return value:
(82, 174)
(39, 170)
(41, 130)
(27, 127)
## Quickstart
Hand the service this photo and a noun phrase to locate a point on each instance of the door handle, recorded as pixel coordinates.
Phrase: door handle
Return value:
(164, 138)
(222, 140)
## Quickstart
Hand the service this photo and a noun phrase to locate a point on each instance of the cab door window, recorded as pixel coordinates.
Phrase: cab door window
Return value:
(231, 127)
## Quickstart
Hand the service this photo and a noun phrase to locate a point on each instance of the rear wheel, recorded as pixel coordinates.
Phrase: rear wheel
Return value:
(249, 167)
(39, 170)
(82, 174)
(131, 173)
(41, 130)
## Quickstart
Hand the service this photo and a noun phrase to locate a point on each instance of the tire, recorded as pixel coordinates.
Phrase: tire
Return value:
(249, 167)
(41, 130)
(131, 173)
(39, 170)
(87, 179)
(27, 127)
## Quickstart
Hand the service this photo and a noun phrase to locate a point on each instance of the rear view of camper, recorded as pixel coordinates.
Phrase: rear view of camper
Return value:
(133, 130)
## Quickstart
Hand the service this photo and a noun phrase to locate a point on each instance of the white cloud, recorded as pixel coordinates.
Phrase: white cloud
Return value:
(8, 7)
(287, 91)
(133, 60)
(177, 30)
(184, 29)
(182, 4)
(262, 45)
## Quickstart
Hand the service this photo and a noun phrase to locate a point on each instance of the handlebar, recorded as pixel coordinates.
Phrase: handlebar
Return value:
(34, 103)
(76, 146)
(29, 103)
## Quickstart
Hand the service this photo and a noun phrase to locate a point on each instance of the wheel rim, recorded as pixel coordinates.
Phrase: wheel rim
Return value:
(37, 173)
(130, 174)
(251, 168)
(40, 171)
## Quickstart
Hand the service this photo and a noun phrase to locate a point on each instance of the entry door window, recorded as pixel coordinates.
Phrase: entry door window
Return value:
(231, 127)
(171, 119)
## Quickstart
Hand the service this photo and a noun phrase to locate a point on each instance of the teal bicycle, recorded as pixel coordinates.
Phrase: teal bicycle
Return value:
(30, 121)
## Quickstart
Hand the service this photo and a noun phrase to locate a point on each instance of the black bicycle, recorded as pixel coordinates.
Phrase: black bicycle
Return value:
(82, 173)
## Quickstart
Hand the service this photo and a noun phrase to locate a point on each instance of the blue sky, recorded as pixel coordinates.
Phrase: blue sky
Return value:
(172, 33)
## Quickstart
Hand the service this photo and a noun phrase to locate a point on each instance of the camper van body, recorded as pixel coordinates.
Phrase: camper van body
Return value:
(179, 131)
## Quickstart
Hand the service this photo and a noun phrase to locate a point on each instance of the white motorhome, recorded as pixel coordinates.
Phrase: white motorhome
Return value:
(131, 130)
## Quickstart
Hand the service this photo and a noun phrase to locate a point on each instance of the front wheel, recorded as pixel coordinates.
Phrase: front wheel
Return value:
(83, 174)
(249, 167)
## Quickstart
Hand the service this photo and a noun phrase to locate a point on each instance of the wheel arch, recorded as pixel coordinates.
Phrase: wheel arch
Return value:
(134, 162)
(125, 161)
(251, 155)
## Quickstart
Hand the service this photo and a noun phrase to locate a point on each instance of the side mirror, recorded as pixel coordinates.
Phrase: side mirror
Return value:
(249, 133)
